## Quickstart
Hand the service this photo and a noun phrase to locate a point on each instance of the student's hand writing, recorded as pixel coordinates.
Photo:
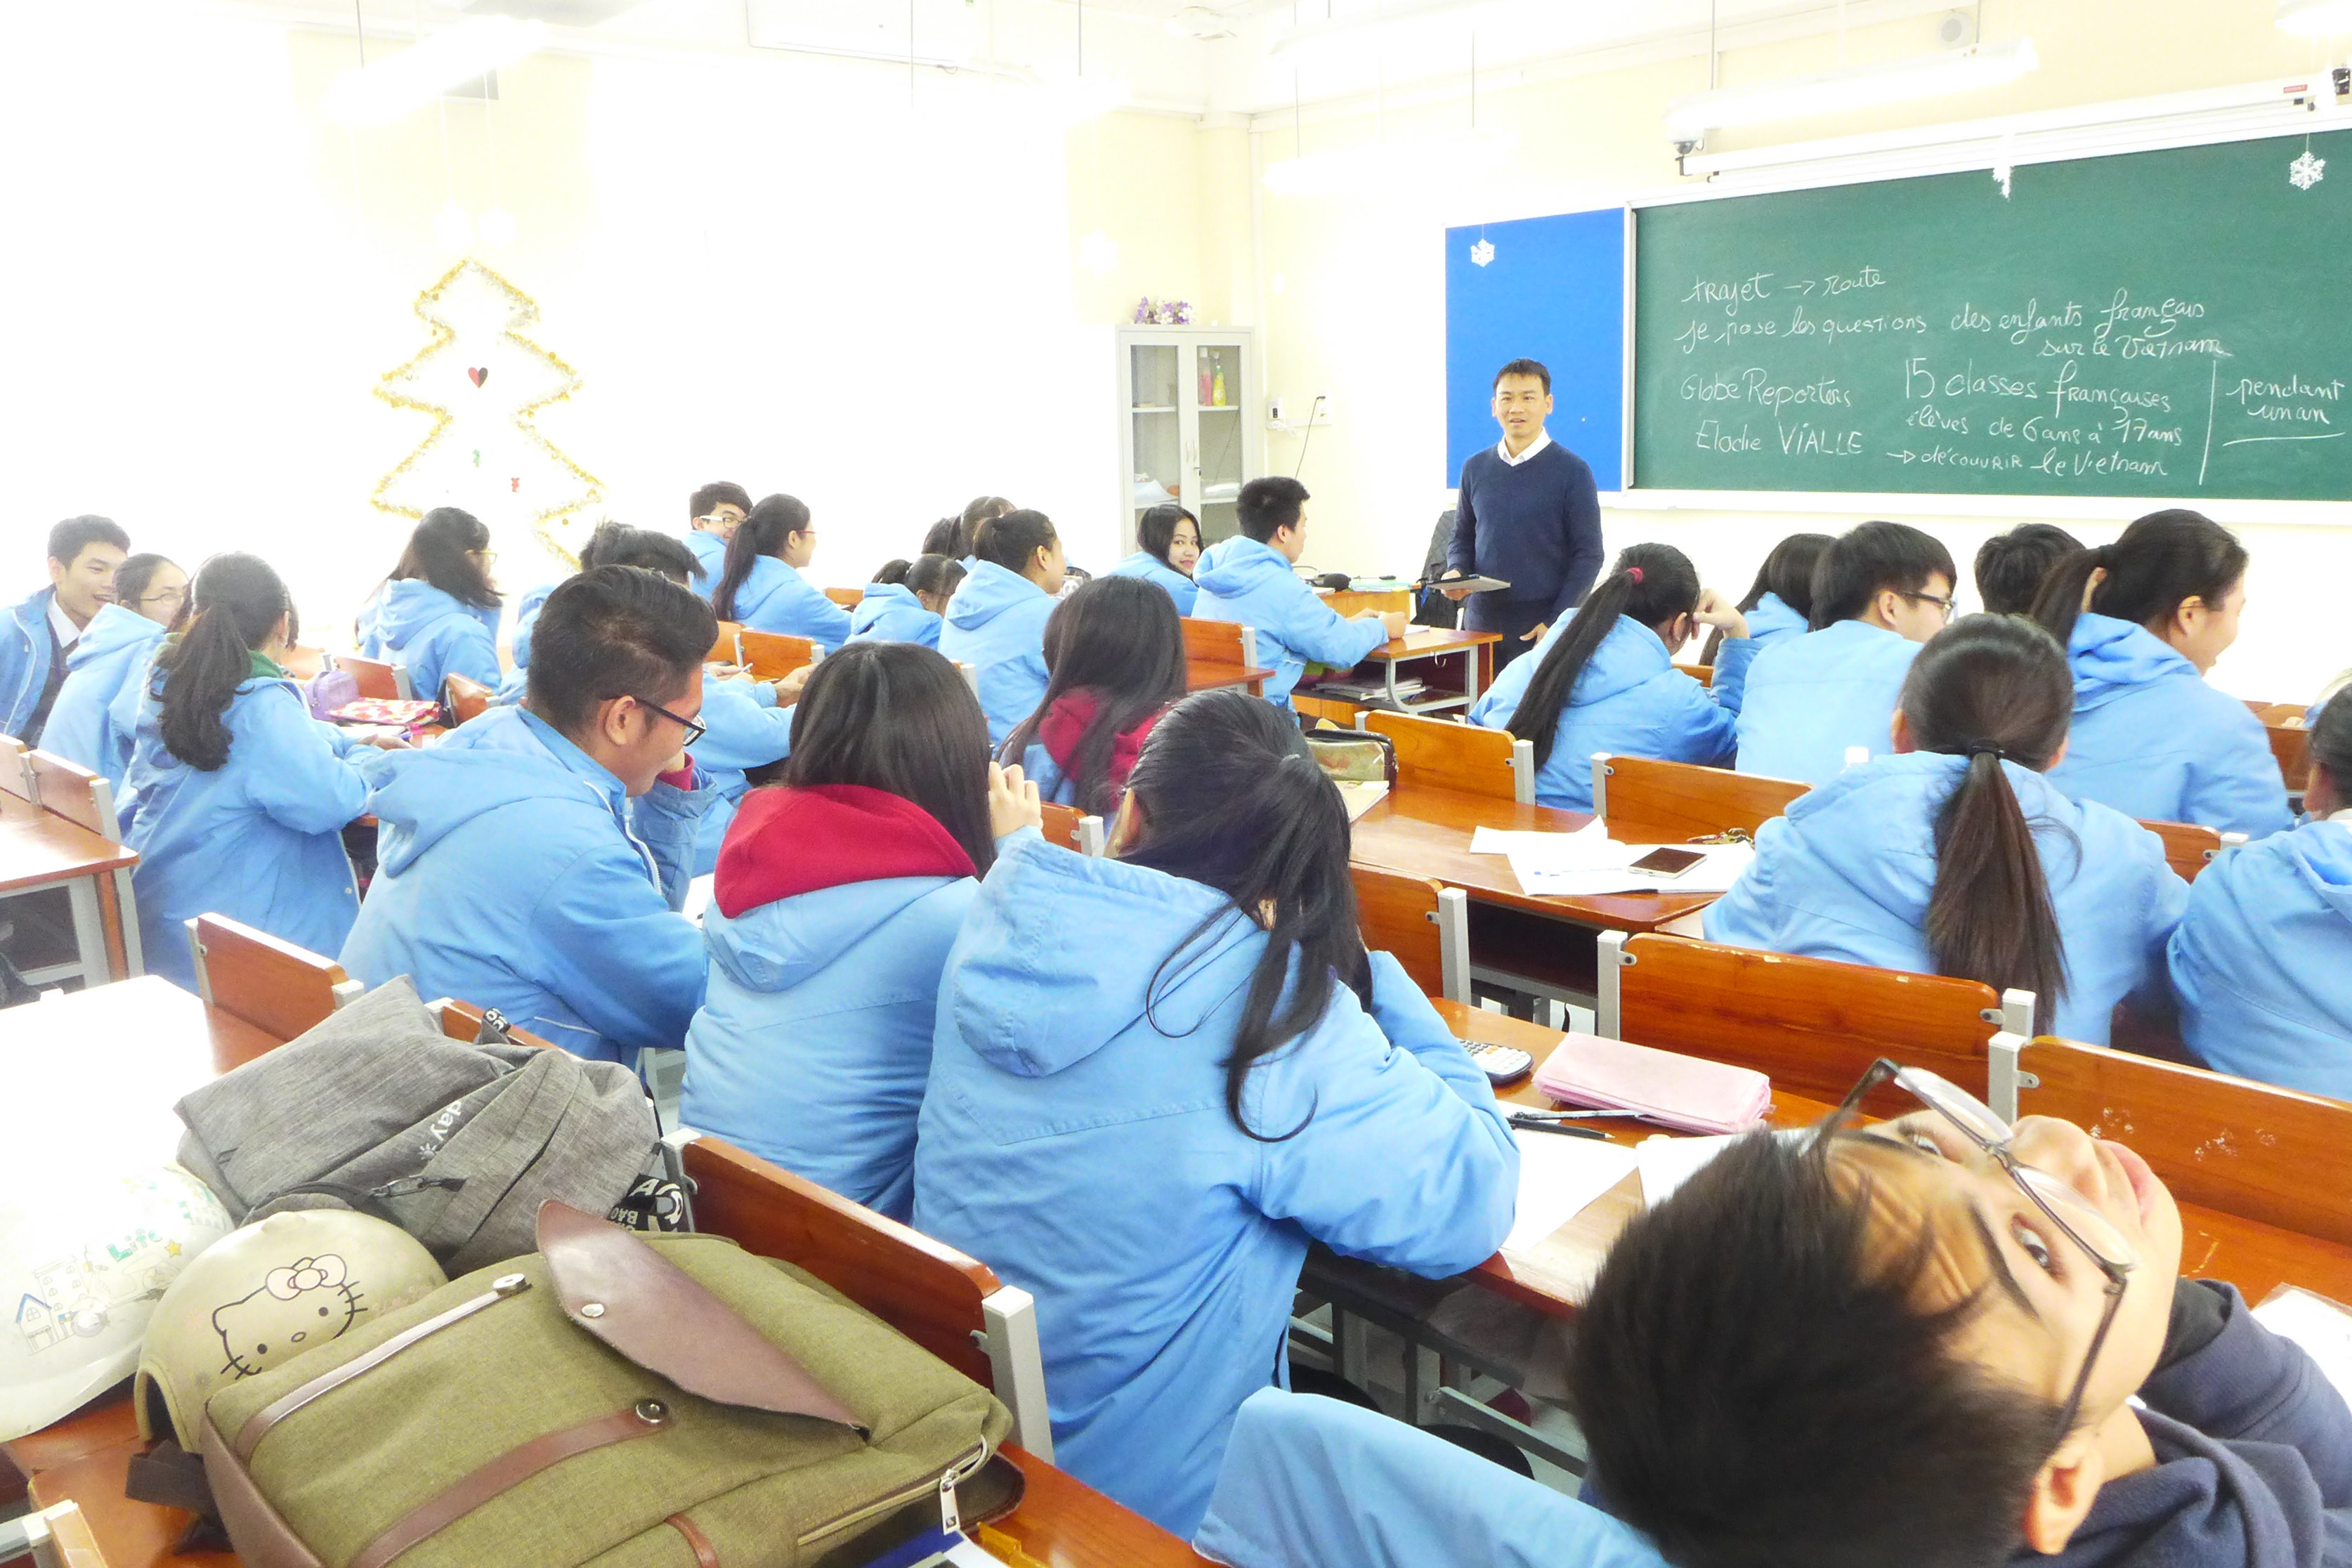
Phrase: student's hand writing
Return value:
(1393, 622)
(1012, 802)
(788, 689)
(387, 739)
(1714, 610)
(726, 671)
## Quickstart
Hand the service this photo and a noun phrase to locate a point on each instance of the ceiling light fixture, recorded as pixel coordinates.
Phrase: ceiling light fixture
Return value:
(1826, 92)
(391, 87)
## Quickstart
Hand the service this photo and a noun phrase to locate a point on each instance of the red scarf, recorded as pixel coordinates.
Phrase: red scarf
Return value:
(1066, 723)
(787, 841)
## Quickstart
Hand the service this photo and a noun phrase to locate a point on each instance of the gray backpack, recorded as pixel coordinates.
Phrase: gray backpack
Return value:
(458, 1143)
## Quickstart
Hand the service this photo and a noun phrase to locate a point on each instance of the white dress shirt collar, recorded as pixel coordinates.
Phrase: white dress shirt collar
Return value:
(1503, 448)
(62, 624)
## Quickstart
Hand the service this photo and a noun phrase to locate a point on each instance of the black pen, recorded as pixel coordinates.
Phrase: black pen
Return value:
(1564, 1129)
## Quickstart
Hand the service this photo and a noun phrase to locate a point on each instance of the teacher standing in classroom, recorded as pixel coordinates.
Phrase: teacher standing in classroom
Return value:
(1529, 516)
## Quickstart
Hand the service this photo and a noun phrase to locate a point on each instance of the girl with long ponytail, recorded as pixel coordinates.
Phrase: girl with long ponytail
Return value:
(236, 797)
(1605, 678)
(1956, 855)
(1157, 1076)
(2142, 620)
(761, 586)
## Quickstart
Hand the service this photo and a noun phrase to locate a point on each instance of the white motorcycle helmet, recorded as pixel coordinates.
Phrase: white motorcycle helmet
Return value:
(270, 1291)
(85, 1253)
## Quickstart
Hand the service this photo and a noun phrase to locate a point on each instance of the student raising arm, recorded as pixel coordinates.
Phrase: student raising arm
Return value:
(236, 797)
(1604, 680)
(438, 614)
(1956, 855)
(762, 586)
(1158, 1075)
(89, 723)
(2263, 961)
(837, 895)
(2142, 620)
(1117, 654)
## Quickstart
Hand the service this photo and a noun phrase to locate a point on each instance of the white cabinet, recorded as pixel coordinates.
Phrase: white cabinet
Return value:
(1189, 426)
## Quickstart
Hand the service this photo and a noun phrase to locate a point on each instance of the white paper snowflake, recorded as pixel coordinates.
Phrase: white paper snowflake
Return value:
(2306, 171)
(1481, 253)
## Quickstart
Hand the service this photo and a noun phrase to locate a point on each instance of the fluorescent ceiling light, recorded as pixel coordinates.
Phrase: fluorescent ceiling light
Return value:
(431, 67)
(2316, 18)
(1375, 163)
(1898, 81)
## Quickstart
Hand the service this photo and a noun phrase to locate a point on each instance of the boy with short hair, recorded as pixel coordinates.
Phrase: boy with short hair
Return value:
(534, 861)
(1879, 590)
(713, 513)
(1248, 578)
(36, 633)
(2010, 566)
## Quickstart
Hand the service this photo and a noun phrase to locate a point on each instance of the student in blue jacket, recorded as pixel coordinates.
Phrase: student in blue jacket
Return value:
(996, 622)
(535, 859)
(713, 514)
(1171, 541)
(1605, 678)
(1311, 1482)
(907, 607)
(1881, 590)
(36, 632)
(835, 900)
(1956, 855)
(2263, 961)
(1777, 608)
(1880, 1346)
(110, 658)
(1158, 1075)
(762, 586)
(235, 799)
(438, 614)
(1116, 652)
(2142, 621)
(1248, 578)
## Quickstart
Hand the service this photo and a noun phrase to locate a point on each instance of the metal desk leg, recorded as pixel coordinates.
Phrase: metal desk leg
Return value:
(89, 931)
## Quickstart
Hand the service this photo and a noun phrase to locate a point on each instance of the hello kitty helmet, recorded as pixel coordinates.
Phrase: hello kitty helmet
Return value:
(263, 1296)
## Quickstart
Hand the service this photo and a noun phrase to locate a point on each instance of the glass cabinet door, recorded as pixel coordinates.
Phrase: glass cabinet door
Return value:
(1157, 415)
(1217, 398)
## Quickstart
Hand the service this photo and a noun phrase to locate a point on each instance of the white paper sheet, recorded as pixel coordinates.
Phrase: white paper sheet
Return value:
(2321, 1328)
(1722, 867)
(1558, 1177)
(1667, 1161)
(1361, 796)
(698, 898)
(1503, 841)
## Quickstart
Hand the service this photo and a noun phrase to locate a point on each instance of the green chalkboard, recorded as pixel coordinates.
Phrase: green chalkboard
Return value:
(2172, 323)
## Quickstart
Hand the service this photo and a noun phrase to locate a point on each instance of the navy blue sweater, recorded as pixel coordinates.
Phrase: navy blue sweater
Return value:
(1537, 526)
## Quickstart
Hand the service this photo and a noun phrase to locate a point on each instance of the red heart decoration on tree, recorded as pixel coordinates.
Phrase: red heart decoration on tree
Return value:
(479, 375)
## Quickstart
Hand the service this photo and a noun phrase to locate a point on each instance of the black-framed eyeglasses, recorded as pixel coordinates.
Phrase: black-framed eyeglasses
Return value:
(694, 728)
(2080, 1222)
(164, 597)
(1948, 603)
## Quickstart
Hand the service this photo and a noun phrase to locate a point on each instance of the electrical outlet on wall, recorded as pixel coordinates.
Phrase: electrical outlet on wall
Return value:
(1273, 410)
(1323, 410)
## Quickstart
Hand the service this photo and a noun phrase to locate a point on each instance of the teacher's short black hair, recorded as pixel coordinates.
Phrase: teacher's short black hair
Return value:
(1268, 505)
(1534, 367)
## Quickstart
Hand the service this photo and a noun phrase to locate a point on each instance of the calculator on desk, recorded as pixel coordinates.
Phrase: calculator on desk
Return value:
(1501, 1063)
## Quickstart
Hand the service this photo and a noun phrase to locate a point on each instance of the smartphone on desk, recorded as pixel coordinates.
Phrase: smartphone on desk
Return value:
(1667, 862)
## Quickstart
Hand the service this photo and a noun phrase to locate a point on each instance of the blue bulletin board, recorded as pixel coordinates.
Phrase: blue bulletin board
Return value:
(1548, 288)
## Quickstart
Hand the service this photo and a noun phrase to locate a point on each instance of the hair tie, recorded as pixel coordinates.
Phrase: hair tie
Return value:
(1635, 573)
(1985, 749)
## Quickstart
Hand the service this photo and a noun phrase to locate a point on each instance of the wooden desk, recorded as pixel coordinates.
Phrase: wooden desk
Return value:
(1420, 643)
(38, 849)
(1350, 603)
(1555, 1274)
(1209, 676)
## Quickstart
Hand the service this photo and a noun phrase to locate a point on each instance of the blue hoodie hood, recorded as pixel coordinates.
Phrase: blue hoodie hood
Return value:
(778, 945)
(891, 612)
(1231, 567)
(2110, 657)
(503, 757)
(767, 578)
(1062, 950)
(1630, 655)
(110, 631)
(987, 592)
(411, 607)
(1772, 618)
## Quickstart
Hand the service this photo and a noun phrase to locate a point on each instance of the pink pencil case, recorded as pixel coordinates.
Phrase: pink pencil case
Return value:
(1676, 1090)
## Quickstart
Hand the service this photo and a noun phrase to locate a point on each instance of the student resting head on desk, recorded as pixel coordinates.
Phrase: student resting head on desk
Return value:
(1879, 591)
(907, 607)
(2263, 961)
(1169, 537)
(2142, 621)
(1249, 579)
(836, 896)
(1956, 855)
(1891, 1345)
(1116, 651)
(1778, 605)
(1158, 1075)
(996, 622)
(1603, 678)
(89, 723)
(762, 586)
(438, 614)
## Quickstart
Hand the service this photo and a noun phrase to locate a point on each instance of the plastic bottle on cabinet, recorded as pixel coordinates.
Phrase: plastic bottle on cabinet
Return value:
(1217, 389)
(1208, 384)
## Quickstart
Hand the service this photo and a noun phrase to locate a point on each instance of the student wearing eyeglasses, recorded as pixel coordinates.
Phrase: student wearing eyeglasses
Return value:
(1920, 1343)
(535, 859)
(713, 514)
(92, 722)
(1879, 590)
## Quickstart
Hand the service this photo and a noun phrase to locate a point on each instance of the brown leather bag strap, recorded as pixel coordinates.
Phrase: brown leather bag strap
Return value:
(705, 1554)
(510, 1470)
(258, 1425)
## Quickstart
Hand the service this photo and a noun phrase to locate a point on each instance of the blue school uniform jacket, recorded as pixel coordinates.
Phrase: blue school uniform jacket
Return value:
(1771, 622)
(109, 657)
(1847, 871)
(1318, 1483)
(996, 623)
(831, 917)
(1151, 569)
(743, 729)
(431, 635)
(259, 839)
(24, 660)
(1242, 580)
(2263, 961)
(1075, 1135)
(710, 555)
(1054, 786)
(527, 610)
(1810, 698)
(891, 612)
(513, 872)
(775, 598)
(1629, 700)
(2151, 738)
